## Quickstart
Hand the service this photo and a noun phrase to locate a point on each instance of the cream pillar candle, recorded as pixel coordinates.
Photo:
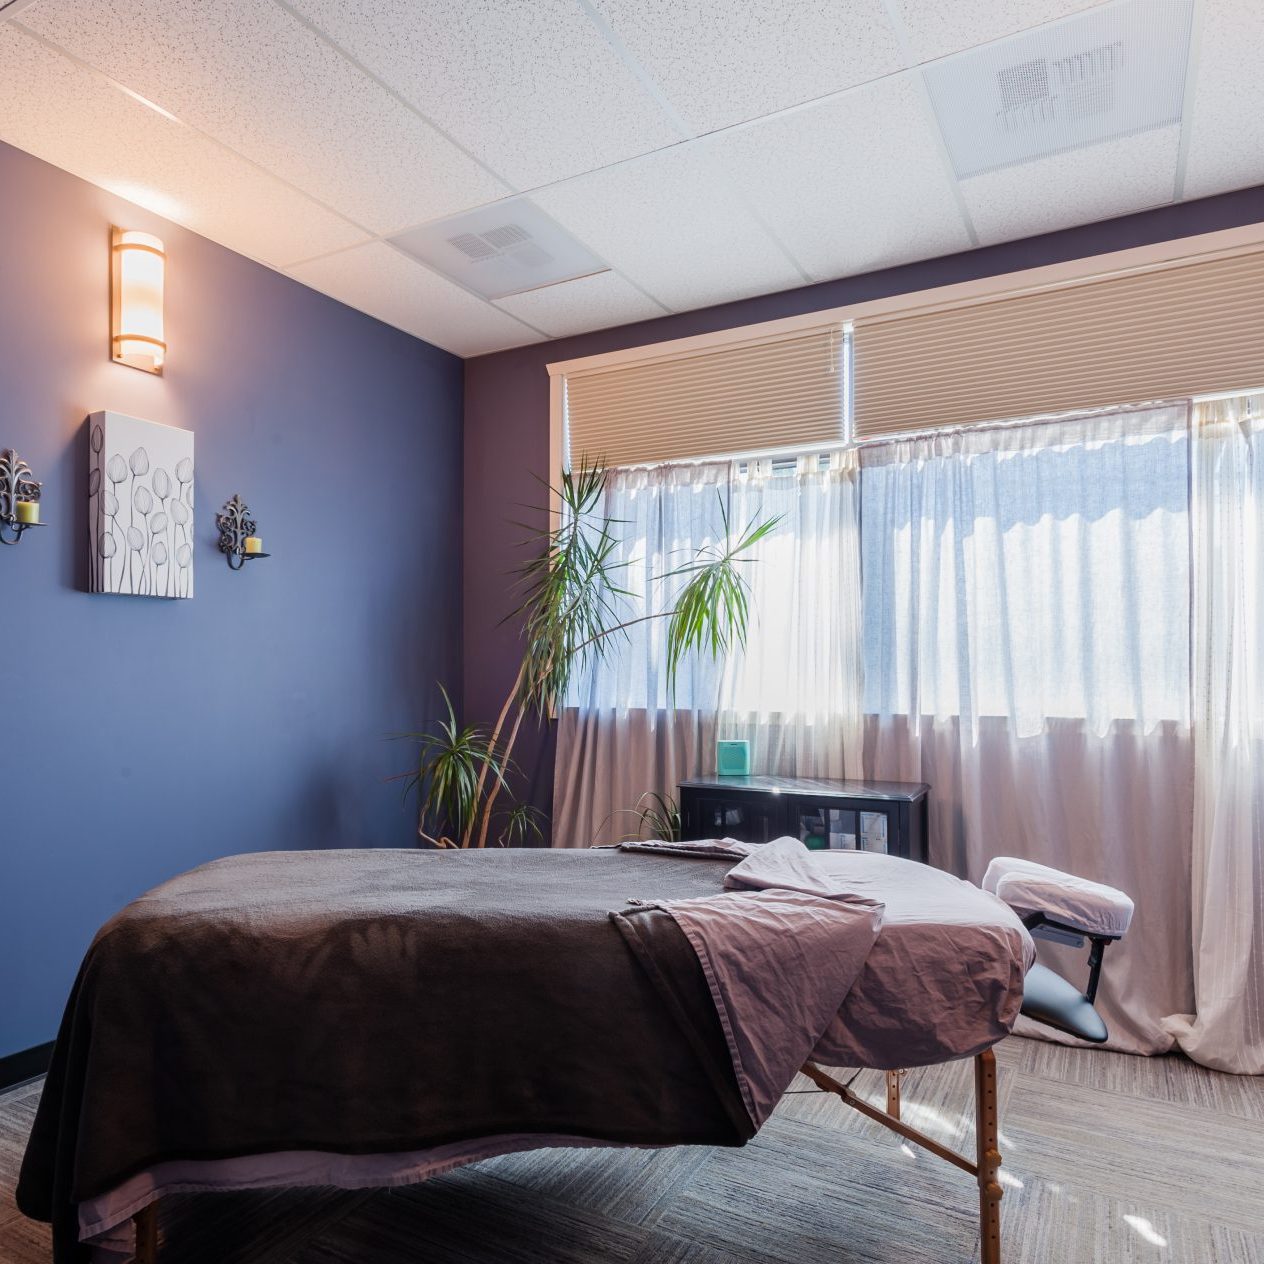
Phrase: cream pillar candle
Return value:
(253, 544)
(27, 511)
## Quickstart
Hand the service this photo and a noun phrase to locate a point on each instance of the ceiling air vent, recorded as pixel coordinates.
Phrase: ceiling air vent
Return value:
(506, 248)
(1107, 72)
(1040, 92)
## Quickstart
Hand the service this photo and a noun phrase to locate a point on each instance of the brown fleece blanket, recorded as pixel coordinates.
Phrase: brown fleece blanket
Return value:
(371, 1001)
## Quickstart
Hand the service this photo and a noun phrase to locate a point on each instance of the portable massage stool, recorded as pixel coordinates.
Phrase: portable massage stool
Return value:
(1055, 906)
(1052, 905)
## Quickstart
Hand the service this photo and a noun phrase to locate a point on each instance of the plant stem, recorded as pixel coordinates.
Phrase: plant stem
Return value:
(491, 746)
(484, 814)
(495, 790)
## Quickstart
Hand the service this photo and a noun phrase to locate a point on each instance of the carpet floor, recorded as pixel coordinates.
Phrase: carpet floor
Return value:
(1106, 1158)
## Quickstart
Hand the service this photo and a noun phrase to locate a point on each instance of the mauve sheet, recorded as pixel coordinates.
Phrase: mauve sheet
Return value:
(780, 959)
(105, 1222)
(778, 964)
(943, 980)
(377, 1001)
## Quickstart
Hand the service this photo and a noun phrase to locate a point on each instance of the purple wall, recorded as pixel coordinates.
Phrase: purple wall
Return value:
(142, 737)
(507, 413)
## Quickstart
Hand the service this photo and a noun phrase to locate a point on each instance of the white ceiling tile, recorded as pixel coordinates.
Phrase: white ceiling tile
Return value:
(1226, 121)
(851, 185)
(378, 279)
(936, 28)
(673, 225)
(530, 86)
(257, 79)
(592, 302)
(74, 119)
(1102, 181)
(723, 63)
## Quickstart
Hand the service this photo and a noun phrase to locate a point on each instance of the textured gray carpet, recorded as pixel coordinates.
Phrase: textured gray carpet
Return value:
(1107, 1158)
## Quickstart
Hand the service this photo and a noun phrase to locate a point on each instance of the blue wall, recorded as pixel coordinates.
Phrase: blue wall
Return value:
(141, 737)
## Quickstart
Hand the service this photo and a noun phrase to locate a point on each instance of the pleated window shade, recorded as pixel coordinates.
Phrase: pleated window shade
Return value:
(778, 392)
(1180, 330)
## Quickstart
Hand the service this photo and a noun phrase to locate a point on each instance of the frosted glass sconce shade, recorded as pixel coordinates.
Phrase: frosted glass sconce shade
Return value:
(138, 268)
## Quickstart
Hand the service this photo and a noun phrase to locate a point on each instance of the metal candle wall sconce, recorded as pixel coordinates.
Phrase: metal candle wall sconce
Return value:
(19, 497)
(237, 538)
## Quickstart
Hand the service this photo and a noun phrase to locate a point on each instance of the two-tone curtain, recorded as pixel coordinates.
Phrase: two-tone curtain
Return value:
(1056, 623)
(1026, 652)
(1226, 1026)
(793, 693)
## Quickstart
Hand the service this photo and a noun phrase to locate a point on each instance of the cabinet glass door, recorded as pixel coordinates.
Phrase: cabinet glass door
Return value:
(821, 827)
(825, 828)
(748, 821)
(873, 831)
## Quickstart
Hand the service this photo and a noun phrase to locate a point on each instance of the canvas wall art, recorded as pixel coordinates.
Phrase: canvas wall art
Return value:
(140, 514)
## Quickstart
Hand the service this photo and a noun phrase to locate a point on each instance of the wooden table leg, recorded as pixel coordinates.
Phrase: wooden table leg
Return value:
(987, 1129)
(146, 1222)
(893, 1093)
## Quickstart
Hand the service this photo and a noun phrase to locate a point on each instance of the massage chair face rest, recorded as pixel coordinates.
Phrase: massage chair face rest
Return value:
(1066, 909)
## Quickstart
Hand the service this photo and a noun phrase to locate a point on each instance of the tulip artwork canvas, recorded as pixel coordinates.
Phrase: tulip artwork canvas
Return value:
(140, 512)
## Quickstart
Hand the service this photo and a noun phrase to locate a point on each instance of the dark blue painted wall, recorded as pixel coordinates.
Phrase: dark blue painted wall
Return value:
(141, 737)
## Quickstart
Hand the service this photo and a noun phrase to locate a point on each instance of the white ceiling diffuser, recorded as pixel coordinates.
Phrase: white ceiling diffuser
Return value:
(1107, 72)
(506, 248)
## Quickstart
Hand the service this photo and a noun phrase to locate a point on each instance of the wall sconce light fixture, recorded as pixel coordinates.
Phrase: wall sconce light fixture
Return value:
(19, 497)
(137, 273)
(237, 536)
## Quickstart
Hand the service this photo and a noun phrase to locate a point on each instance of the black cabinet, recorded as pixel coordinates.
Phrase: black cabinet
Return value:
(881, 816)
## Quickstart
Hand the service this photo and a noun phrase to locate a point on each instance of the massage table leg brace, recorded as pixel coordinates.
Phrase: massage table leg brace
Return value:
(986, 1167)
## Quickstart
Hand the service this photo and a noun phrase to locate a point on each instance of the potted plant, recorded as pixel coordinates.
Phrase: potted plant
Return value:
(570, 615)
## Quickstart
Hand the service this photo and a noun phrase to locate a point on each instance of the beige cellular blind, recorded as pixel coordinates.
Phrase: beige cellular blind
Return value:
(1184, 329)
(777, 392)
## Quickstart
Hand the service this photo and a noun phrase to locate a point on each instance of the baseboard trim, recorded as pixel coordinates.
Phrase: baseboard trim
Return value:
(26, 1064)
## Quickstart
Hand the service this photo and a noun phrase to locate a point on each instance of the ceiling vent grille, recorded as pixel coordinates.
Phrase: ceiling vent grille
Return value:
(1107, 72)
(506, 248)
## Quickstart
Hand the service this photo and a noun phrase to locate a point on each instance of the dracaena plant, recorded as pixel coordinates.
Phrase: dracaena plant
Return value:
(573, 614)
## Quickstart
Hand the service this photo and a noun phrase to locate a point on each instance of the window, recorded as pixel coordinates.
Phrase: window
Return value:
(1035, 573)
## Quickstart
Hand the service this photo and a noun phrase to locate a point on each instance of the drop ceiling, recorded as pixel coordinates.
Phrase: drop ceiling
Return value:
(699, 151)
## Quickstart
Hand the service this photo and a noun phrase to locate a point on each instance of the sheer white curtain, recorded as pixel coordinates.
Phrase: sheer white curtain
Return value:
(1060, 629)
(1026, 652)
(794, 692)
(1226, 1028)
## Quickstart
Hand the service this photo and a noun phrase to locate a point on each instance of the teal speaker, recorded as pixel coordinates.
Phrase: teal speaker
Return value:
(732, 759)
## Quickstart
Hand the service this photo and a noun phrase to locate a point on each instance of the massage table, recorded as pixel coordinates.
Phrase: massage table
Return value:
(257, 1021)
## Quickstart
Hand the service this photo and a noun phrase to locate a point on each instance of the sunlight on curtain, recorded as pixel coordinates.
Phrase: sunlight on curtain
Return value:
(1060, 627)
(1026, 651)
(1032, 572)
(1226, 1029)
(793, 693)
